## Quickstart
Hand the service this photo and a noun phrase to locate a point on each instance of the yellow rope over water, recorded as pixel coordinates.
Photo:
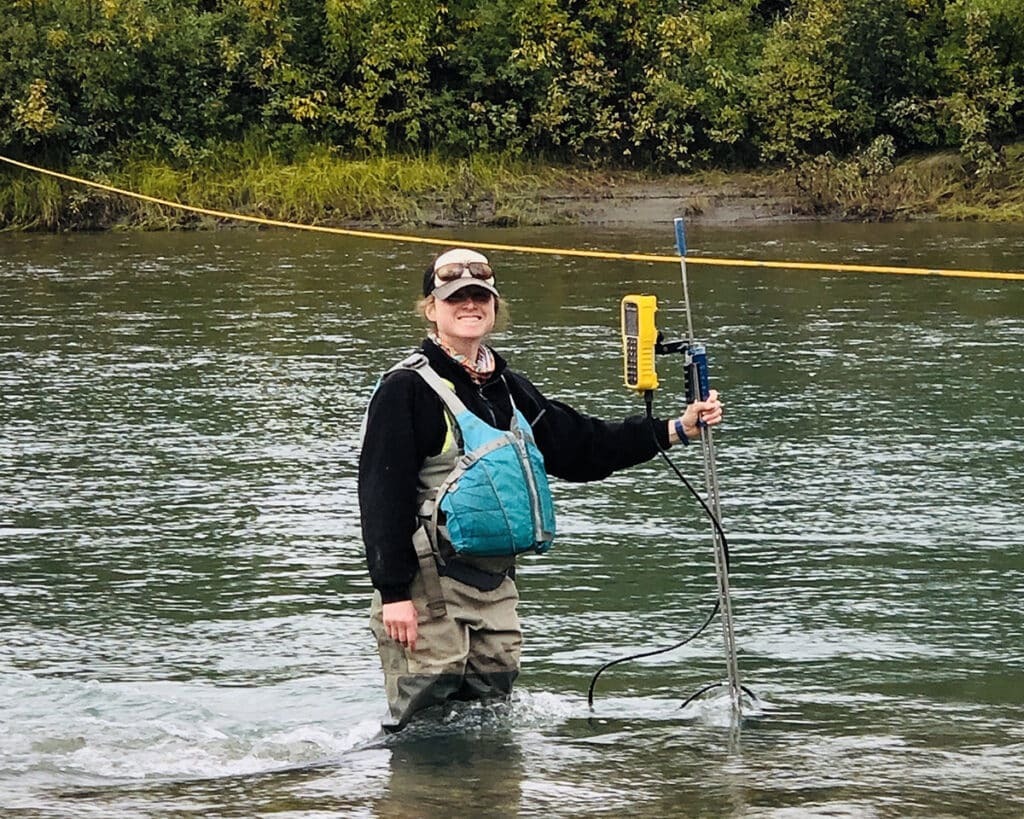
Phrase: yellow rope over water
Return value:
(547, 251)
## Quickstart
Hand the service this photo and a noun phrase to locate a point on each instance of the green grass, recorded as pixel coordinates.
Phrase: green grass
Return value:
(317, 186)
(323, 188)
(30, 201)
(939, 186)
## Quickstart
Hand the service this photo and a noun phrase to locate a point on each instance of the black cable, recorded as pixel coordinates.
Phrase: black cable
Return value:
(711, 686)
(651, 653)
(648, 401)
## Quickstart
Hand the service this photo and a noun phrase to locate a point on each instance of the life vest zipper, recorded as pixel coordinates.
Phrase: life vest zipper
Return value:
(486, 402)
(531, 486)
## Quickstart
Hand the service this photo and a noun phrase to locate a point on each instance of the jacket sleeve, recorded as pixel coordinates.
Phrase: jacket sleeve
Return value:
(579, 447)
(404, 424)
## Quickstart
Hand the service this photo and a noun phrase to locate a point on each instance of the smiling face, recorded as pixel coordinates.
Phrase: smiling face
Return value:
(463, 320)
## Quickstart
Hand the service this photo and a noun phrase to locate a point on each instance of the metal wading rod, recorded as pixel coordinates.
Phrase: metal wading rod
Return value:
(697, 378)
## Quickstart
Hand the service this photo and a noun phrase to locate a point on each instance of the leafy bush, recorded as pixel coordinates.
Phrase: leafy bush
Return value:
(641, 83)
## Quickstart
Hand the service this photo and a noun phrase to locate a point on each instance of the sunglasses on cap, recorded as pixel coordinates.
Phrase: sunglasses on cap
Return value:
(458, 270)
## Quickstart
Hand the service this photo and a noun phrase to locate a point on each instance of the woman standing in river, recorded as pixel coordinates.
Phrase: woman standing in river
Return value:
(440, 539)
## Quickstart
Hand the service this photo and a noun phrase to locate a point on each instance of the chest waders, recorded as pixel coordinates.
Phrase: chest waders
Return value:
(489, 485)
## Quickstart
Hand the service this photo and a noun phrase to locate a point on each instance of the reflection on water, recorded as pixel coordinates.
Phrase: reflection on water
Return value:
(182, 590)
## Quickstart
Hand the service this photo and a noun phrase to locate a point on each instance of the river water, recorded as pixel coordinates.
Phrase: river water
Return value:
(182, 588)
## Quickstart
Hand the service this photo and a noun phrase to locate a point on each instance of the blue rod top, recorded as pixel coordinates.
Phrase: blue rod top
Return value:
(680, 236)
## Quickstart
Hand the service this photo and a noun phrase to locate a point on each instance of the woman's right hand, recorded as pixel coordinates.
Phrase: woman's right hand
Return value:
(400, 620)
(709, 412)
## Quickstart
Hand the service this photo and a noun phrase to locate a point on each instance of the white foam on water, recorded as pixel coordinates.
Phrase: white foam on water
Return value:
(90, 733)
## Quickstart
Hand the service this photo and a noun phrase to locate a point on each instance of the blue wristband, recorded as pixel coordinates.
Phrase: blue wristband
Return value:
(680, 433)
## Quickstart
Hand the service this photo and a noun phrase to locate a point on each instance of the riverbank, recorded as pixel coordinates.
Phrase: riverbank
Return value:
(323, 189)
(735, 199)
(936, 186)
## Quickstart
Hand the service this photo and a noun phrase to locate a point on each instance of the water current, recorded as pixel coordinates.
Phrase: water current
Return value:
(183, 592)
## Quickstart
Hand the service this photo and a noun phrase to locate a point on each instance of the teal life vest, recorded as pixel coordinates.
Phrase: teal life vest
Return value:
(496, 498)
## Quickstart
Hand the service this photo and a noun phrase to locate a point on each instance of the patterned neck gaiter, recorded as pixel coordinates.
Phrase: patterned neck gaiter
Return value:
(479, 370)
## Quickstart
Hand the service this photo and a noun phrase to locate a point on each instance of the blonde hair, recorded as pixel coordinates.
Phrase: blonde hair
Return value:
(421, 308)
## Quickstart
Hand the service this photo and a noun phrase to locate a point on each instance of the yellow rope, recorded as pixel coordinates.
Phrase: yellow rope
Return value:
(548, 251)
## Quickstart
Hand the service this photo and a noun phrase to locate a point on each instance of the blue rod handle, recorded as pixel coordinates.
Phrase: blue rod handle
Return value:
(698, 384)
(700, 361)
(680, 236)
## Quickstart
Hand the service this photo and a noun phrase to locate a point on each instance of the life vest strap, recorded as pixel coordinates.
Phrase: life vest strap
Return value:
(428, 570)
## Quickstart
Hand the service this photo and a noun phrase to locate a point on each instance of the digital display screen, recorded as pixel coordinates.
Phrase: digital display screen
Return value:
(631, 320)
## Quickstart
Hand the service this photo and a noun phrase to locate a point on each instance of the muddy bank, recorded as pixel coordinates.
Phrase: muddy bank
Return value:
(634, 202)
(654, 203)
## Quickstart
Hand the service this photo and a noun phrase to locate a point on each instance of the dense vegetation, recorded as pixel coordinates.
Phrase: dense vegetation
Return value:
(626, 84)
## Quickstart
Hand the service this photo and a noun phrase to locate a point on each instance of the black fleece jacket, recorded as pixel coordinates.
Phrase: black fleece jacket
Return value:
(405, 425)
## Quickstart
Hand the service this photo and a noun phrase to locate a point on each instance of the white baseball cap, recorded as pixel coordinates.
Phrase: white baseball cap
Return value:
(458, 268)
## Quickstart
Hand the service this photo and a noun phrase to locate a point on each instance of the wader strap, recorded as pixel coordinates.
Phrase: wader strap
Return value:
(418, 363)
(428, 570)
